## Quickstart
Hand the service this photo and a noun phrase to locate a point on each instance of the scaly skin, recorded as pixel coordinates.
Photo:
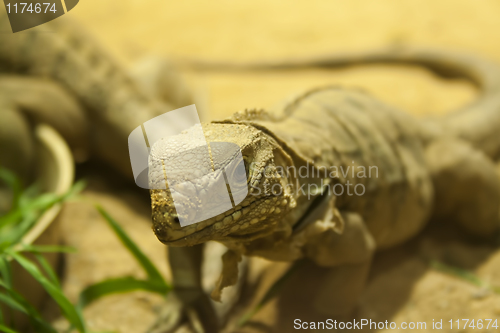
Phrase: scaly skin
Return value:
(426, 168)
(386, 135)
(332, 127)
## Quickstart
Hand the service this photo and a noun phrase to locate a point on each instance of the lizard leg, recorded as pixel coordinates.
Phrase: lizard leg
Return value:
(349, 255)
(467, 186)
(187, 300)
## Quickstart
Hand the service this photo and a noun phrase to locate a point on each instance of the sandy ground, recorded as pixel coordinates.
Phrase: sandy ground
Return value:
(402, 286)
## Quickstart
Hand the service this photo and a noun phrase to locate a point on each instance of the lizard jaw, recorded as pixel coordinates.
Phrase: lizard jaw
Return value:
(169, 231)
(245, 219)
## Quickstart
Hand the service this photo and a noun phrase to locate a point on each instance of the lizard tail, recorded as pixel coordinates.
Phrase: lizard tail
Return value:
(478, 123)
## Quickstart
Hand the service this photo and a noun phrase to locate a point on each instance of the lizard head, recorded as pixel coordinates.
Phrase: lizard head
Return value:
(268, 195)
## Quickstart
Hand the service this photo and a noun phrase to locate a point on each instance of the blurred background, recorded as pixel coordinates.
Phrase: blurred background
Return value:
(402, 286)
(260, 30)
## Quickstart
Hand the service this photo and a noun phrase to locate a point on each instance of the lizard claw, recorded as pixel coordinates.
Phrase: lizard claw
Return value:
(170, 316)
(178, 317)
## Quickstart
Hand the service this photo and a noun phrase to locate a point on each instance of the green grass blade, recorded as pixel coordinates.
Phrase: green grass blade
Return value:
(65, 305)
(16, 232)
(30, 203)
(48, 270)
(16, 301)
(5, 329)
(39, 204)
(75, 189)
(12, 303)
(14, 183)
(457, 272)
(119, 285)
(19, 299)
(147, 265)
(47, 248)
(11, 217)
(6, 271)
(29, 194)
(463, 274)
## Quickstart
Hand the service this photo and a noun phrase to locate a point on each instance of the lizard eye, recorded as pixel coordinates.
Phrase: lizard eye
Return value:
(248, 169)
(240, 174)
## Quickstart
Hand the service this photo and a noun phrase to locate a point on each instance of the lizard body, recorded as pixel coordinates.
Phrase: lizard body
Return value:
(385, 138)
(333, 127)
(425, 168)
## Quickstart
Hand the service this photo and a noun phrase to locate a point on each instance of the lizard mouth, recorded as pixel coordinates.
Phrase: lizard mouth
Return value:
(233, 222)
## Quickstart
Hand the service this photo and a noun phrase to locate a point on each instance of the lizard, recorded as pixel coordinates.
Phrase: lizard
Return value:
(428, 169)
(88, 89)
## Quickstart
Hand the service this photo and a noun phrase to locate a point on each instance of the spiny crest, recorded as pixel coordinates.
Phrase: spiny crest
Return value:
(252, 114)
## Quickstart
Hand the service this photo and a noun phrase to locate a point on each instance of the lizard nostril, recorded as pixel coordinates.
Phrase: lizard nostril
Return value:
(176, 220)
